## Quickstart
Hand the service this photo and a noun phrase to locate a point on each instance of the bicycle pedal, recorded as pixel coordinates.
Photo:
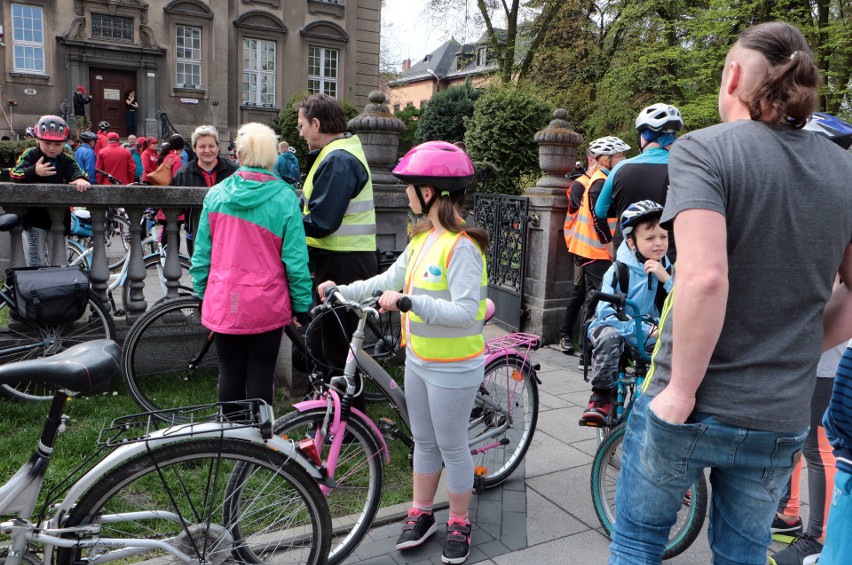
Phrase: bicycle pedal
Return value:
(590, 424)
(479, 479)
(388, 427)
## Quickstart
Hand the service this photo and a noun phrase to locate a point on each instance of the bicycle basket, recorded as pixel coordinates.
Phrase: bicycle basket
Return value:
(48, 296)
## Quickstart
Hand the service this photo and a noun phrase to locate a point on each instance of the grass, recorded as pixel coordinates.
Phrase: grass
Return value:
(21, 424)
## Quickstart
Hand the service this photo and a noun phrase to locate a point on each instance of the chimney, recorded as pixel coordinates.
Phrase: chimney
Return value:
(406, 64)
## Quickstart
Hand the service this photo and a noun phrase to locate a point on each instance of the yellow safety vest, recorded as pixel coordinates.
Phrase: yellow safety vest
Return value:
(427, 275)
(571, 219)
(357, 232)
(584, 241)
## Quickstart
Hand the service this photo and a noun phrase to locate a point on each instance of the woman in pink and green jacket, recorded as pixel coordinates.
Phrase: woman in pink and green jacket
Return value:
(250, 267)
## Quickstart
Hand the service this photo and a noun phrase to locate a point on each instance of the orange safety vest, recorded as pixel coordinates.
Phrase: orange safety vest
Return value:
(570, 219)
(584, 241)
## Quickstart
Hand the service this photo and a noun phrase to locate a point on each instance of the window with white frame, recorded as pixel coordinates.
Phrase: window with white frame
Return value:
(28, 38)
(188, 57)
(323, 70)
(259, 72)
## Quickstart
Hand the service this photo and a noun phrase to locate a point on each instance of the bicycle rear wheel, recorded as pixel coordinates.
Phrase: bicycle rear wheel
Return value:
(359, 476)
(213, 500)
(117, 241)
(503, 419)
(605, 470)
(155, 281)
(168, 358)
(36, 342)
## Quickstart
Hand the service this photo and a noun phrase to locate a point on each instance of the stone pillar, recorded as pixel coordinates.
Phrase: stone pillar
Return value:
(549, 269)
(379, 132)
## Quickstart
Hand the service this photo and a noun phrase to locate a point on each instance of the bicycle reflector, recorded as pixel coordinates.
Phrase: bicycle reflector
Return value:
(309, 450)
(517, 375)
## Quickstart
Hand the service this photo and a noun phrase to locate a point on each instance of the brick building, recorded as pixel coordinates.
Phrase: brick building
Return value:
(223, 62)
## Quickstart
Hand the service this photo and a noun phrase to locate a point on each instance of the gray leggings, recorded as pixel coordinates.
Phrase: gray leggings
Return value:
(439, 418)
(35, 246)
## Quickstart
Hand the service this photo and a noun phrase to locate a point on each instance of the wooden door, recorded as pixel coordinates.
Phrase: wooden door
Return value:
(109, 88)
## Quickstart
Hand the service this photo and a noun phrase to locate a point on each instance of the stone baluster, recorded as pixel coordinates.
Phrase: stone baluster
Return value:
(56, 236)
(136, 269)
(99, 270)
(549, 268)
(172, 270)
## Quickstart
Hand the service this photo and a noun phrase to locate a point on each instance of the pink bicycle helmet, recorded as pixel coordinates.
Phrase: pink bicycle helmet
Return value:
(51, 128)
(438, 164)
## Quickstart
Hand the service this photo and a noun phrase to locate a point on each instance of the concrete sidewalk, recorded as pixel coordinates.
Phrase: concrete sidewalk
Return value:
(542, 514)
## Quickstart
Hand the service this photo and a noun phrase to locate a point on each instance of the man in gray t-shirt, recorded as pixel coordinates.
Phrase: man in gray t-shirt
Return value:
(762, 213)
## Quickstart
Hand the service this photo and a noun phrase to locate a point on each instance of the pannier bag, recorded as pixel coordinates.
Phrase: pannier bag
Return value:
(49, 296)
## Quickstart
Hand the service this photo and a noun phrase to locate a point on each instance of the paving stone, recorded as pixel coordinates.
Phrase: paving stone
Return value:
(579, 549)
(548, 401)
(547, 454)
(514, 501)
(489, 512)
(546, 521)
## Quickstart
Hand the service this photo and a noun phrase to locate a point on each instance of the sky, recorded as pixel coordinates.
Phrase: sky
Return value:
(408, 33)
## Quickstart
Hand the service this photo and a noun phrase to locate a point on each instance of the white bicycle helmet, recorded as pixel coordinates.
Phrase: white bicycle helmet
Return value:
(610, 145)
(659, 117)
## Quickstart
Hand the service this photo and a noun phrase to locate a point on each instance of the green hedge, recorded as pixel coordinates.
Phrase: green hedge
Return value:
(501, 130)
(10, 150)
(444, 116)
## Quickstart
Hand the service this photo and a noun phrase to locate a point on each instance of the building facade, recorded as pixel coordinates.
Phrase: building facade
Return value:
(220, 62)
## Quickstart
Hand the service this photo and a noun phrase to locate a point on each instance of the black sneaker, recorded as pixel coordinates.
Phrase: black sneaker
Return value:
(457, 547)
(803, 551)
(566, 345)
(416, 529)
(785, 532)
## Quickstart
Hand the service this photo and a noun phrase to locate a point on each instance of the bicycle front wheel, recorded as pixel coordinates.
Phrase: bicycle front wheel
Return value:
(20, 341)
(359, 476)
(503, 419)
(210, 500)
(168, 358)
(116, 241)
(606, 467)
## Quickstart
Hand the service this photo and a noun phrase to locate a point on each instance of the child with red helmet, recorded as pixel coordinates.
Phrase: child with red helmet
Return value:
(46, 163)
(443, 272)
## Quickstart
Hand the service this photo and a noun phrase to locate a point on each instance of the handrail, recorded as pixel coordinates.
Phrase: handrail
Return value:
(166, 126)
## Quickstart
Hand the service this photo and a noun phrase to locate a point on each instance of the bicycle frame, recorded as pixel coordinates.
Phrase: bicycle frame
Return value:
(20, 494)
(335, 426)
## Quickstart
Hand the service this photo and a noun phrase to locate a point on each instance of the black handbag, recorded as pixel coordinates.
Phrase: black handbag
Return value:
(49, 296)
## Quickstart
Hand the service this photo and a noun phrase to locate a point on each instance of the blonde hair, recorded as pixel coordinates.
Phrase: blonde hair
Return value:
(204, 131)
(256, 146)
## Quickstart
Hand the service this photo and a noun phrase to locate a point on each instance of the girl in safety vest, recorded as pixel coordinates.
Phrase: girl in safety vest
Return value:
(443, 272)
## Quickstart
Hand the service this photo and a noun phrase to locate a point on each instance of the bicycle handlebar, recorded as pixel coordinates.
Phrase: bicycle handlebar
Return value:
(332, 295)
(109, 177)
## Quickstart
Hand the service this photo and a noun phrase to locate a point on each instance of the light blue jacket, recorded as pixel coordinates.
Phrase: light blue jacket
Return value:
(637, 291)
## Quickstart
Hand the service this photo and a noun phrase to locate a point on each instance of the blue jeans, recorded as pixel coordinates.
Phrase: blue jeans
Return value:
(838, 534)
(749, 471)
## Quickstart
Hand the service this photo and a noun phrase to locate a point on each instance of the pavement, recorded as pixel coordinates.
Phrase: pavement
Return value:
(543, 513)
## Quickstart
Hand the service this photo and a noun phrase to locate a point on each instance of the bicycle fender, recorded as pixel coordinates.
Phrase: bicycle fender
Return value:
(311, 404)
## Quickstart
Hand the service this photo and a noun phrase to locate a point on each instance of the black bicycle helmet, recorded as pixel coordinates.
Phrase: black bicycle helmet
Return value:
(88, 136)
(638, 212)
(103, 125)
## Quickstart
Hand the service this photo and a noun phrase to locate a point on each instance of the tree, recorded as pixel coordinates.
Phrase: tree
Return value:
(443, 118)
(410, 116)
(501, 130)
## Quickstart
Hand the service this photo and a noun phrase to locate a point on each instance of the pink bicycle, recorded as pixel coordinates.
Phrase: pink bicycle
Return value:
(351, 449)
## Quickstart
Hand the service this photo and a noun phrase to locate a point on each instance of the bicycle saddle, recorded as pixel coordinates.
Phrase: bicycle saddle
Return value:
(8, 221)
(85, 368)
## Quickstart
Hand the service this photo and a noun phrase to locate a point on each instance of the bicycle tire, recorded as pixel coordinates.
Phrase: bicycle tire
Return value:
(497, 463)
(605, 469)
(155, 358)
(73, 251)
(359, 475)
(155, 290)
(191, 499)
(96, 323)
(116, 241)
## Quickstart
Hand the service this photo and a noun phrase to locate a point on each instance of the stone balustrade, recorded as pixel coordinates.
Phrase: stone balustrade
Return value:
(16, 198)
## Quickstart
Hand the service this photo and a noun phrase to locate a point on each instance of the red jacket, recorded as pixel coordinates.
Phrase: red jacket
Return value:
(101, 142)
(117, 161)
(149, 162)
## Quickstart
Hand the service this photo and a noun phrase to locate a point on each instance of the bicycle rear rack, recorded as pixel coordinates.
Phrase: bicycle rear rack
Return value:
(180, 422)
(515, 340)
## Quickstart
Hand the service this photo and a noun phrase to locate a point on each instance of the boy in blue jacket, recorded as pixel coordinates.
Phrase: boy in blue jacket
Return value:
(641, 259)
